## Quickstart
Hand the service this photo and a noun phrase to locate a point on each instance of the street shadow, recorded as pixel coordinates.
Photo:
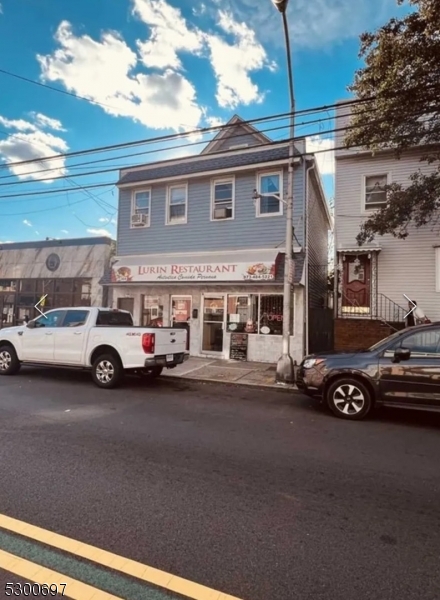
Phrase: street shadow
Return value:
(79, 377)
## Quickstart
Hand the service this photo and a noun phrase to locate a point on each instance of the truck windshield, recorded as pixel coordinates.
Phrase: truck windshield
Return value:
(111, 318)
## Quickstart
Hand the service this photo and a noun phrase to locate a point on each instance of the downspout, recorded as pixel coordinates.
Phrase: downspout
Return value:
(306, 261)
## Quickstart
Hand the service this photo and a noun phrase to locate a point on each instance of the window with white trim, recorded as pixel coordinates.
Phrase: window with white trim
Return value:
(222, 199)
(269, 188)
(140, 207)
(177, 204)
(375, 192)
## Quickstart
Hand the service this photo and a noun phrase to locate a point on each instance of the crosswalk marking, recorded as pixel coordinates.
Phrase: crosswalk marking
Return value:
(31, 572)
(167, 581)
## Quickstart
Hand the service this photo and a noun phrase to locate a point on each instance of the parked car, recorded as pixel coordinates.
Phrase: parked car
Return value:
(100, 339)
(403, 370)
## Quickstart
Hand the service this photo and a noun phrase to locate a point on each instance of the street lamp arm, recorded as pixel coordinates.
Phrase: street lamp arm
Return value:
(257, 195)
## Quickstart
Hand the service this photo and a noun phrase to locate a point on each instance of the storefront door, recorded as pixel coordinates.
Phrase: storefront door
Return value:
(213, 323)
(181, 314)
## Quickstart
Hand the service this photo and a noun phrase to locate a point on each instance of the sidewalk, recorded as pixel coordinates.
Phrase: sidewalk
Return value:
(228, 371)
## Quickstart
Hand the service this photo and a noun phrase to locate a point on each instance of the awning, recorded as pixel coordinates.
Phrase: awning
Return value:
(359, 250)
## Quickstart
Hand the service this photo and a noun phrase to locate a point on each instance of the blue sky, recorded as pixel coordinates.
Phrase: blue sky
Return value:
(149, 68)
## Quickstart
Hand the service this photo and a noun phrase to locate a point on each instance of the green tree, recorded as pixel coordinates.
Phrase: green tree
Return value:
(398, 88)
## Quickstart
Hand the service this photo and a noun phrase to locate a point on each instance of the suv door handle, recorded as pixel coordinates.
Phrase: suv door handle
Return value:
(77, 333)
(48, 333)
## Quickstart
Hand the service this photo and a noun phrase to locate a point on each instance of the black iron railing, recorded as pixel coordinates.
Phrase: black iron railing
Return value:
(384, 309)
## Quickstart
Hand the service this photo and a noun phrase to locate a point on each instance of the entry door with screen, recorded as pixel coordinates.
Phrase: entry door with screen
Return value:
(213, 323)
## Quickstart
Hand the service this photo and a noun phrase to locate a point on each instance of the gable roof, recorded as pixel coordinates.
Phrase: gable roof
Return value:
(228, 130)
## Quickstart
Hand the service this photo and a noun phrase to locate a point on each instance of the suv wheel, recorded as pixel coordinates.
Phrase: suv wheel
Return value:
(349, 399)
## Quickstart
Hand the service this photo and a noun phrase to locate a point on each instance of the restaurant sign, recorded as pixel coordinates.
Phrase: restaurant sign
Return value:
(261, 271)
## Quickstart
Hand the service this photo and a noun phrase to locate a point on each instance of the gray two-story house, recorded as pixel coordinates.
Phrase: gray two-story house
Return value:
(375, 279)
(201, 239)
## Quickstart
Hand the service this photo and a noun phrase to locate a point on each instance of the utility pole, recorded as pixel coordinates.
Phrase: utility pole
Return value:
(285, 372)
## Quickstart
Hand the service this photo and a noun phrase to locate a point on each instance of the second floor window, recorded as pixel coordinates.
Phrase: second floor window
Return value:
(375, 193)
(141, 208)
(222, 199)
(177, 204)
(269, 186)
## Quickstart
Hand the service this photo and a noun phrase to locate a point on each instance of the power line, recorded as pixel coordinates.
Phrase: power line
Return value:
(270, 144)
(194, 131)
(173, 136)
(165, 149)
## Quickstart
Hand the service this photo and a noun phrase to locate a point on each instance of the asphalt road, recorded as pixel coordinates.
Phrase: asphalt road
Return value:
(260, 494)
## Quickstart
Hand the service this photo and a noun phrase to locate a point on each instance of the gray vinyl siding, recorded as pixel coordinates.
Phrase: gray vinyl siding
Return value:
(238, 136)
(317, 236)
(200, 233)
(404, 266)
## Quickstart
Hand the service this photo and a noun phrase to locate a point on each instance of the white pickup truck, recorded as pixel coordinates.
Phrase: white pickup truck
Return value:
(100, 339)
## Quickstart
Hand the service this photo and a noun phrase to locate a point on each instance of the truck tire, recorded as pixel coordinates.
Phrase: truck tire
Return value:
(9, 363)
(107, 371)
(152, 373)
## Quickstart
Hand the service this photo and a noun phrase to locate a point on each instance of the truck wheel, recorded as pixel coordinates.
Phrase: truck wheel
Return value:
(349, 399)
(151, 373)
(107, 371)
(9, 363)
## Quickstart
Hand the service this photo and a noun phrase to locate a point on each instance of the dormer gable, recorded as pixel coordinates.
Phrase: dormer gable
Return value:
(236, 134)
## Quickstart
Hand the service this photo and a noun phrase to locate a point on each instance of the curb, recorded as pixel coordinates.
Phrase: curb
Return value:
(280, 388)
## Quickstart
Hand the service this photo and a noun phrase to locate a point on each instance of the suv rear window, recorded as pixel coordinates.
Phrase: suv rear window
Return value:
(111, 318)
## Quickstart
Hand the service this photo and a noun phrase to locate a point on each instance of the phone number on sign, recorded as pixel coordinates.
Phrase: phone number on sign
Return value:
(35, 589)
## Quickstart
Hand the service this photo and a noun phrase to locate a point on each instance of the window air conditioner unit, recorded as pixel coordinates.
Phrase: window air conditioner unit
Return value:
(221, 213)
(139, 220)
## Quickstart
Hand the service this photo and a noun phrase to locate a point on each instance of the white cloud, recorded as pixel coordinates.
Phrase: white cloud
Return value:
(102, 71)
(199, 10)
(28, 223)
(232, 63)
(148, 82)
(45, 121)
(215, 121)
(29, 141)
(6, 242)
(64, 231)
(313, 24)
(325, 157)
(109, 220)
(169, 35)
(103, 232)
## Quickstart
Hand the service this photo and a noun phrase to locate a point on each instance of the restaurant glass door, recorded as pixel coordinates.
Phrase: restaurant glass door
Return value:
(213, 323)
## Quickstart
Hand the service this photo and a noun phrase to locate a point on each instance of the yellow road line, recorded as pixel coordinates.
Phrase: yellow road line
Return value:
(170, 582)
(34, 573)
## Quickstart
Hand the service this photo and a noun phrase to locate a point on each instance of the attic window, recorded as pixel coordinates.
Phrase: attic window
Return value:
(238, 146)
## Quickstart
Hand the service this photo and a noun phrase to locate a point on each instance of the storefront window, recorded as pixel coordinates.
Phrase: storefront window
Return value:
(27, 285)
(6, 285)
(257, 313)
(152, 312)
(242, 313)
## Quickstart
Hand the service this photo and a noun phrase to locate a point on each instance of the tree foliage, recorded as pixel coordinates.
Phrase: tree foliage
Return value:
(398, 89)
